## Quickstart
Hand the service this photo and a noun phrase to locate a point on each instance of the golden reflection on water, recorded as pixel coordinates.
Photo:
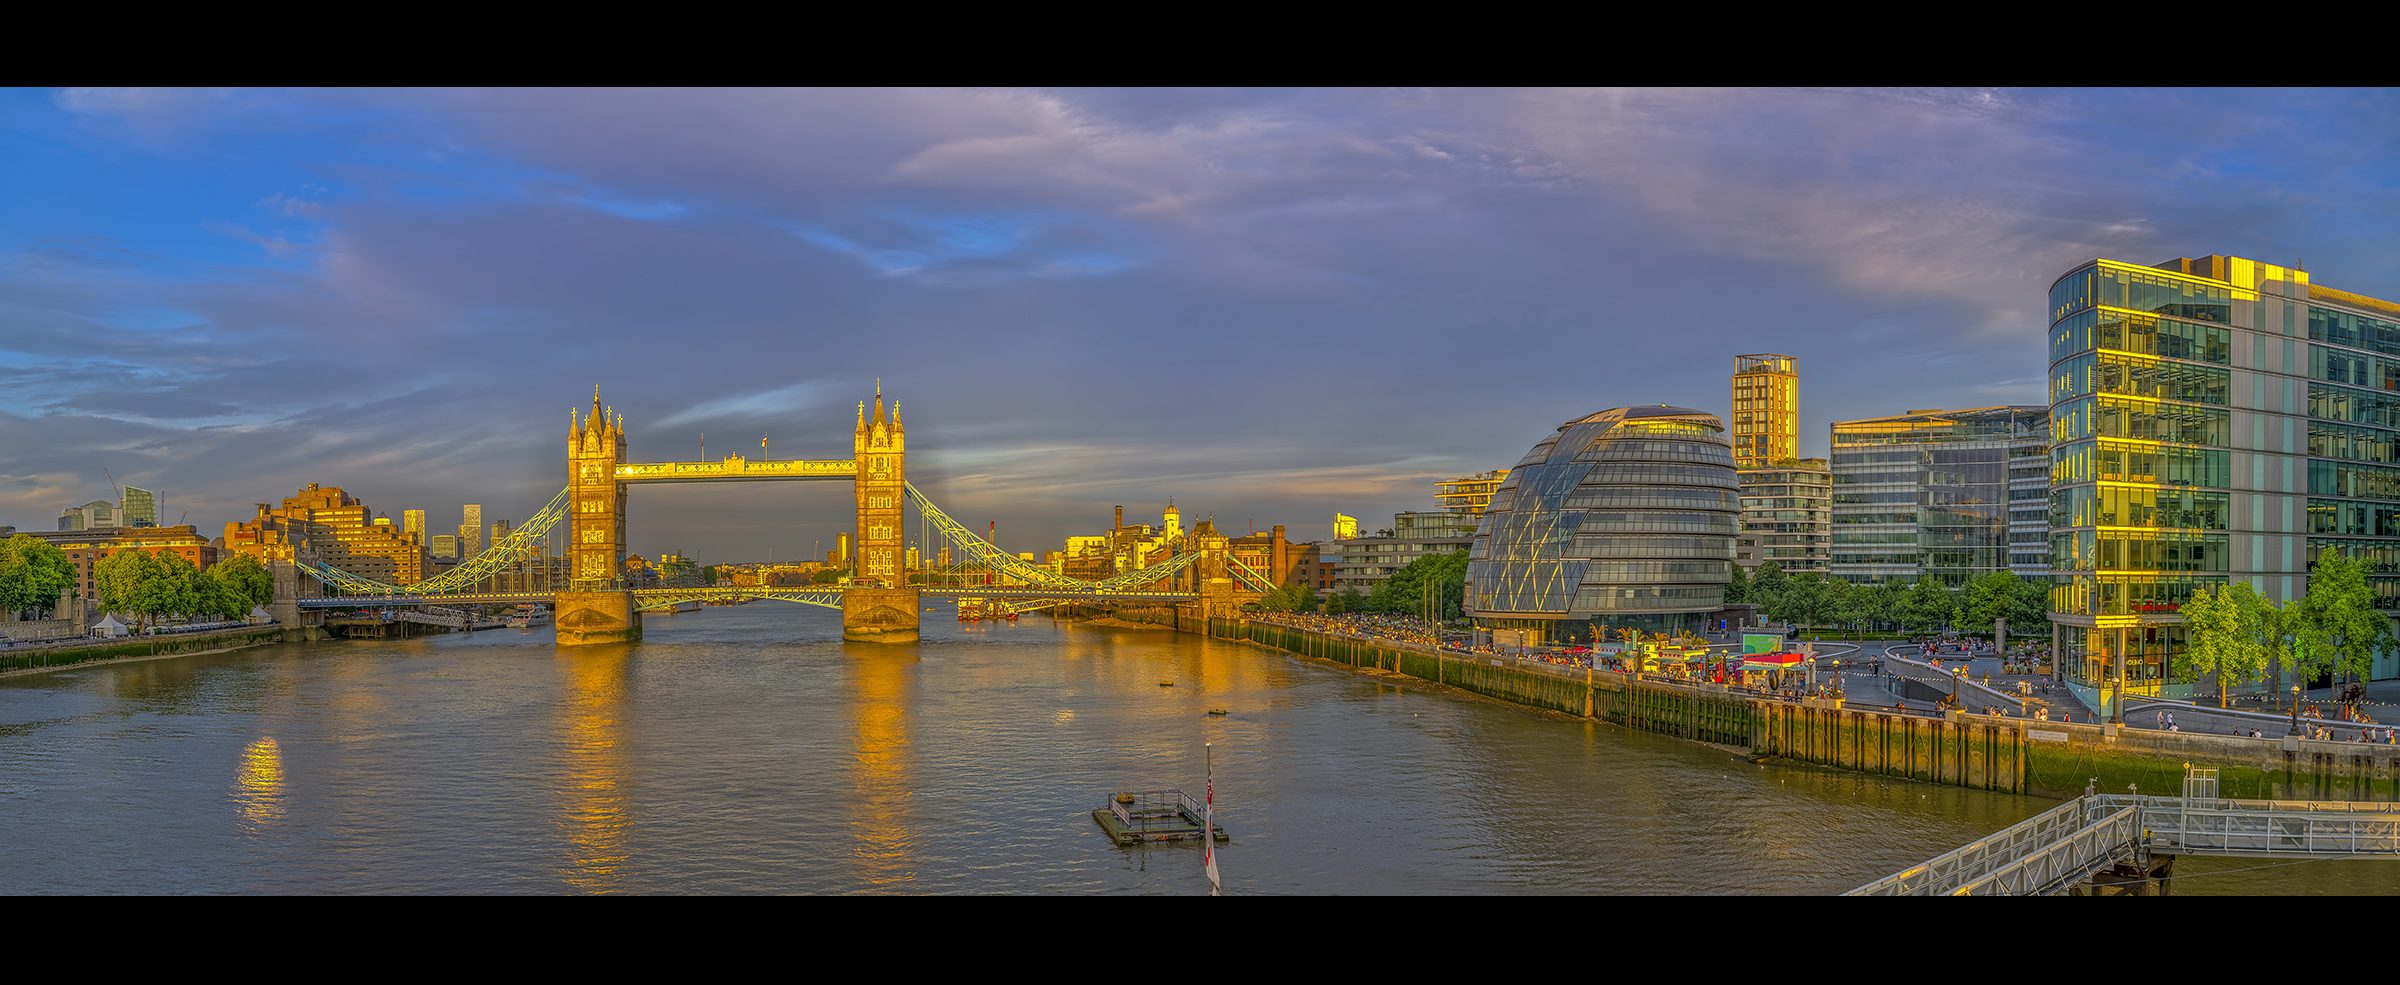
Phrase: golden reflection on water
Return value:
(882, 842)
(595, 813)
(258, 782)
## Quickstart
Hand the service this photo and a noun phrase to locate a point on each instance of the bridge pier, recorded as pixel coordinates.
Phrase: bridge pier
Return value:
(299, 625)
(608, 616)
(881, 615)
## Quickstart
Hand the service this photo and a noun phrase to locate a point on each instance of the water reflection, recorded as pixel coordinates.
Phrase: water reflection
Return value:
(595, 812)
(258, 783)
(879, 802)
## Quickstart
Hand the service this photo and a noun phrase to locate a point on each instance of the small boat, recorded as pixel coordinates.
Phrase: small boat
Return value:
(528, 617)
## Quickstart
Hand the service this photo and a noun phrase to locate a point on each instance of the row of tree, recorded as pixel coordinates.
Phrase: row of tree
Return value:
(1433, 584)
(1813, 599)
(2233, 633)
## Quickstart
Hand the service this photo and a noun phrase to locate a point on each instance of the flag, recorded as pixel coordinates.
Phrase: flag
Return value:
(1208, 830)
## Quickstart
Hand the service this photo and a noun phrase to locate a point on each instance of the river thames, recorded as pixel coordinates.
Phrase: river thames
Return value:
(749, 750)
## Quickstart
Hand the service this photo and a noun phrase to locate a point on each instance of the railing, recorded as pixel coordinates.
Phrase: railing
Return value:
(2265, 828)
(1981, 859)
(2052, 869)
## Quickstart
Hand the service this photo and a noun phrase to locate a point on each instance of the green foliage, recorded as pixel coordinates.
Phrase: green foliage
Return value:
(1926, 607)
(1291, 598)
(2338, 623)
(827, 576)
(2002, 595)
(148, 585)
(1439, 578)
(33, 573)
(1766, 586)
(2229, 633)
(1738, 590)
(236, 585)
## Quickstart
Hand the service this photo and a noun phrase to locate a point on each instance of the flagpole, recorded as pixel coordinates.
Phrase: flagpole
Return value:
(1208, 820)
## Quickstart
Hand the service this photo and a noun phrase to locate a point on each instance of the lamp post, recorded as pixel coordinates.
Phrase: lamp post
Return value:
(2295, 709)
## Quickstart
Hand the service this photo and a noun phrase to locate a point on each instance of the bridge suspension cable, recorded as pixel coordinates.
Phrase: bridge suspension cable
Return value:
(517, 546)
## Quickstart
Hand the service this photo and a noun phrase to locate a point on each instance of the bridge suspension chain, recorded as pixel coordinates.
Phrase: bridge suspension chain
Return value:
(520, 544)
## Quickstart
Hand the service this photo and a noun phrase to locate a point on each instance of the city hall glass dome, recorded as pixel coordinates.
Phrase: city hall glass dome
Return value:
(1625, 518)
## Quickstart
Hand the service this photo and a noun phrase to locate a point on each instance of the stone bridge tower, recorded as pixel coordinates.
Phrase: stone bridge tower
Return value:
(880, 605)
(598, 609)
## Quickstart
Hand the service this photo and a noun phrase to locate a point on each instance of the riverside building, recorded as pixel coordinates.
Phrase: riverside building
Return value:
(2215, 418)
(1954, 494)
(1623, 518)
(1787, 517)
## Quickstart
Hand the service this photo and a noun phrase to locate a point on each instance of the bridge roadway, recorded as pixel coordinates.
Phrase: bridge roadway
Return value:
(2058, 850)
(829, 595)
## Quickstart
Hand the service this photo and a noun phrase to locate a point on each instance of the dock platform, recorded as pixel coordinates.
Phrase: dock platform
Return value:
(1155, 815)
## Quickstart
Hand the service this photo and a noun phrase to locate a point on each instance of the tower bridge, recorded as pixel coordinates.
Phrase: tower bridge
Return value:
(880, 604)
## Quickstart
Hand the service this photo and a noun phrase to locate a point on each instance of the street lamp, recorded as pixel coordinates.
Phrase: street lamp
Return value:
(2295, 709)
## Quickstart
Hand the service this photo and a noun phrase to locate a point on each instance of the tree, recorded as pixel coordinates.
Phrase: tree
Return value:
(238, 584)
(1440, 579)
(1767, 585)
(148, 585)
(2338, 618)
(33, 573)
(1926, 607)
(1989, 598)
(2229, 633)
(1803, 599)
(1738, 590)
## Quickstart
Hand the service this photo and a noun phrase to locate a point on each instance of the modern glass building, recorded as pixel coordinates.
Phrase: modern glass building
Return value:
(2215, 418)
(1624, 518)
(1787, 517)
(1956, 494)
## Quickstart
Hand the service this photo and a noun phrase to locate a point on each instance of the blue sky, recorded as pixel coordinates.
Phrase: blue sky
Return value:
(1268, 304)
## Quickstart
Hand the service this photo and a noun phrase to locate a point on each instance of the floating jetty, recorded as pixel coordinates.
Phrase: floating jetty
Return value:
(1156, 815)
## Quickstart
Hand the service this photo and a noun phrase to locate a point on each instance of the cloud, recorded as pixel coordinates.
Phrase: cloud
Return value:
(1271, 303)
(753, 407)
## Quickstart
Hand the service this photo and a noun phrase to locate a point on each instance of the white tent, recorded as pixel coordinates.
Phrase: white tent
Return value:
(108, 626)
(259, 615)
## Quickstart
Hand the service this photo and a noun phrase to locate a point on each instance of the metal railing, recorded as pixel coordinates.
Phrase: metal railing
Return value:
(1984, 858)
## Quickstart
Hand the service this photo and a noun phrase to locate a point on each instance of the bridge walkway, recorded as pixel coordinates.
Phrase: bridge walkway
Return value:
(2058, 850)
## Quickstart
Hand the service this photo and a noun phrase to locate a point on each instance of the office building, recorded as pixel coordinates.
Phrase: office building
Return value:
(336, 529)
(1624, 518)
(1954, 494)
(140, 507)
(470, 531)
(1787, 517)
(2215, 418)
(95, 515)
(413, 525)
(1766, 410)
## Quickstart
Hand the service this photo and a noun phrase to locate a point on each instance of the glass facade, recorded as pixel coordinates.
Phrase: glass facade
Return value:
(1624, 518)
(1787, 517)
(2214, 418)
(1955, 494)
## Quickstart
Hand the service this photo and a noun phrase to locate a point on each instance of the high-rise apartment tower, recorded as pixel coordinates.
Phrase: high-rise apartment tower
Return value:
(1766, 410)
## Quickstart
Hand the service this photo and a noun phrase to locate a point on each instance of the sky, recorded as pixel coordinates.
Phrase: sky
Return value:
(1269, 305)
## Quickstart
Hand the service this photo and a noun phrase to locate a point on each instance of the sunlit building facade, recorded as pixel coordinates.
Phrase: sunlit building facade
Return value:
(1624, 518)
(1954, 494)
(1766, 410)
(1469, 494)
(334, 527)
(2215, 418)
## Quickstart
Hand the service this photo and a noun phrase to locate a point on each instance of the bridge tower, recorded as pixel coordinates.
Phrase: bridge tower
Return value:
(597, 608)
(880, 606)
